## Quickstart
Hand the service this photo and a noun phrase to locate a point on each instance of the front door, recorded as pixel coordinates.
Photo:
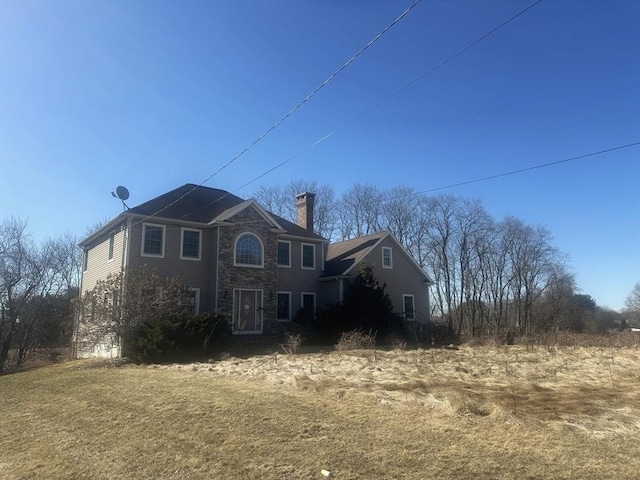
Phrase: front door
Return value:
(247, 317)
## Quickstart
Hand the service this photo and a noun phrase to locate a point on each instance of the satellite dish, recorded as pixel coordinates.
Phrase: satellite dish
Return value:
(122, 193)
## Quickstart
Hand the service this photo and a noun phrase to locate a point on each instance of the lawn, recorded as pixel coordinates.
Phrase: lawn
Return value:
(473, 412)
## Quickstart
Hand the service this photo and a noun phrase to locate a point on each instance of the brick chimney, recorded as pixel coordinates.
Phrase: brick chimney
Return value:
(304, 202)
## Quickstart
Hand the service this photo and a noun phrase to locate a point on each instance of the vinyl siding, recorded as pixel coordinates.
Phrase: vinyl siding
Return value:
(403, 279)
(99, 265)
(296, 279)
(194, 273)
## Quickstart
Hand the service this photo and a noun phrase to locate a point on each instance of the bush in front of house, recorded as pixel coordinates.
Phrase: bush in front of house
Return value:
(179, 338)
(366, 307)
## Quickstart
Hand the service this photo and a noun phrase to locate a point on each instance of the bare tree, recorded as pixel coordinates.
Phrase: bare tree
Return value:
(281, 201)
(632, 302)
(360, 211)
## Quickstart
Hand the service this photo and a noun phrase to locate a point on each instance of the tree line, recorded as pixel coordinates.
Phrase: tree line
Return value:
(490, 275)
(38, 281)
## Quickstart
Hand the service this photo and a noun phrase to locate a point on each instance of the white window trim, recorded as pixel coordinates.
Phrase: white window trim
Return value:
(235, 251)
(196, 310)
(288, 319)
(302, 256)
(199, 257)
(164, 240)
(289, 265)
(302, 294)
(112, 246)
(390, 257)
(413, 303)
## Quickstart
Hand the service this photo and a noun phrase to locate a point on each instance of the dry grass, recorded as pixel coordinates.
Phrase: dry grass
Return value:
(482, 412)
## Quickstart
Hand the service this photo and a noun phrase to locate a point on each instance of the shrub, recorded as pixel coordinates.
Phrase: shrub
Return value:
(355, 340)
(366, 307)
(179, 338)
(292, 343)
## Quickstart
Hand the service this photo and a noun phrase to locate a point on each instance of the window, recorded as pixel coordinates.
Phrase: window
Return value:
(248, 251)
(85, 260)
(153, 240)
(308, 256)
(309, 303)
(284, 306)
(193, 301)
(284, 254)
(387, 259)
(190, 244)
(112, 242)
(409, 312)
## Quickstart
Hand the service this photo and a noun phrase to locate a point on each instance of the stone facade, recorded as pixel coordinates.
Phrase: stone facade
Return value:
(252, 278)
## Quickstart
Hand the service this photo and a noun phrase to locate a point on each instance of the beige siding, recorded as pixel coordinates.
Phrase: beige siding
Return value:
(98, 264)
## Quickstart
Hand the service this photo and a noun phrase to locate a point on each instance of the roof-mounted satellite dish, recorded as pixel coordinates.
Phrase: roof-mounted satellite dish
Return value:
(122, 193)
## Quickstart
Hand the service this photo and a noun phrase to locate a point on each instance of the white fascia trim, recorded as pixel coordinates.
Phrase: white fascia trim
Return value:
(229, 213)
(303, 239)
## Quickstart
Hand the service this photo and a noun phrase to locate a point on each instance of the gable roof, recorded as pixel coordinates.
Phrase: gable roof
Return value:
(196, 203)
(343, 257)
(251, 203)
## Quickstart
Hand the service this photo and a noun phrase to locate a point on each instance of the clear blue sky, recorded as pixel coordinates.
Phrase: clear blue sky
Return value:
(152, 95)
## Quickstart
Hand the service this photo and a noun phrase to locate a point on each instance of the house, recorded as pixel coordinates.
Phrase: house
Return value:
(239, 259)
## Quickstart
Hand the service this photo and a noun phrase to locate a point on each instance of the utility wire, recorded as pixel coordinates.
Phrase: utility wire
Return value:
(294, 109)
(543, 165)
(369, 110)
(397, 92)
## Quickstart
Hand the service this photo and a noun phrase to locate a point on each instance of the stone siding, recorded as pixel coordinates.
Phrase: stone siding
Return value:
(238, 277)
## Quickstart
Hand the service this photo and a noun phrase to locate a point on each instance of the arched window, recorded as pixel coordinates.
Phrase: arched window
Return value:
(248, 250)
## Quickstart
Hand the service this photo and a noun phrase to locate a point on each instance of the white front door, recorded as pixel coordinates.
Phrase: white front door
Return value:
(247, 311)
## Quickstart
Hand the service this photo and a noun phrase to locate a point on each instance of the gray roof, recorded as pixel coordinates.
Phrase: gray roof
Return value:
(194, 203)
(341, 256)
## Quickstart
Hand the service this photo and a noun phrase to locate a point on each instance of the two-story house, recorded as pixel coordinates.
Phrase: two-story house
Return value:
(244, 261)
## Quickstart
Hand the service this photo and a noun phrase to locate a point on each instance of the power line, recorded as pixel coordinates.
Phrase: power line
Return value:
(397, 92)
(300, 104)
(356, 118)
(543, 165)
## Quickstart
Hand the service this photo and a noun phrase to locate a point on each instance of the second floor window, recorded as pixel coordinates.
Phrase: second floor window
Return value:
(190, 244)
(153, 240)
(248, 250)
(387, 260)
(112, 243)
(308, 256)
(284, 258)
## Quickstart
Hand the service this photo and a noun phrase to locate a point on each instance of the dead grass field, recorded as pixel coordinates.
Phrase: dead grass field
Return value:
(475, 412)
